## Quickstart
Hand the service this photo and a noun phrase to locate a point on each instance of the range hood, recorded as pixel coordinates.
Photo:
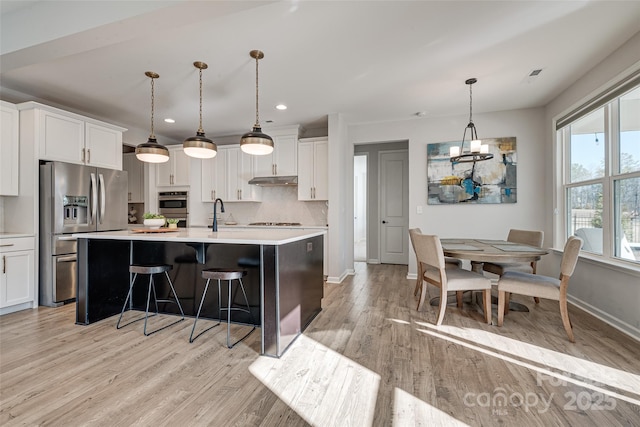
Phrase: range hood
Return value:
(272, 181)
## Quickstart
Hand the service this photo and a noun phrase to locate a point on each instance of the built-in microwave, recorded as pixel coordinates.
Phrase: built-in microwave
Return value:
(174, 204)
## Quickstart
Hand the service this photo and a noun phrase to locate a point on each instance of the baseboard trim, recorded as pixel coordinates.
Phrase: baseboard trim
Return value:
(373, 261)
(412, 276)
(620, 325)
(339, 279)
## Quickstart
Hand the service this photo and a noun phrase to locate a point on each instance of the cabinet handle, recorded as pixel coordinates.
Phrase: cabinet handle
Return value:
(4, 264)
(129, 196)
(88, 155)
(213, 196)
(83, 155)
(6, 245)
(275, 167)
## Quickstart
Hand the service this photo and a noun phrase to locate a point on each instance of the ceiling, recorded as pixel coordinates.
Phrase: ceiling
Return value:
(370, 61)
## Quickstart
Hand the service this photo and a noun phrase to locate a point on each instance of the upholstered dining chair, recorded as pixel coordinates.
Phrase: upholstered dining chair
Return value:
(530, 284)
(525, 237)
(429, 252)
(449, 261)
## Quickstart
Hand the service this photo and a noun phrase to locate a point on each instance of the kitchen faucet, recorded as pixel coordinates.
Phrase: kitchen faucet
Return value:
(215, 218)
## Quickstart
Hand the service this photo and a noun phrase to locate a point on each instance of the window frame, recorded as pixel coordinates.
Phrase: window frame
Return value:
(611, 232)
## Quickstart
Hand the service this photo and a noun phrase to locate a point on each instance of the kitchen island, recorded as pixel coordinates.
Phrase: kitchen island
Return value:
(284, 282)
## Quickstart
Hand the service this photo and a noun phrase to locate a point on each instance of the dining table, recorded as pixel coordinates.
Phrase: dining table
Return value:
(479, 251)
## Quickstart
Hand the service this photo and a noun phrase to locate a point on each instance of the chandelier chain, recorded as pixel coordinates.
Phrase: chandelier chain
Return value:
(470, 103)
(257, 116)
(152, 106)
(200, 125)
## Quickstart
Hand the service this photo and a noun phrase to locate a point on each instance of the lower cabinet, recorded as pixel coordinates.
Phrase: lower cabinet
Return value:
(17, 284)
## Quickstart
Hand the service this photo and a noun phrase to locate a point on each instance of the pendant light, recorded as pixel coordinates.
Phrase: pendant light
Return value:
(256, 142)
(477, 151)
(200, 146)
(151, 151)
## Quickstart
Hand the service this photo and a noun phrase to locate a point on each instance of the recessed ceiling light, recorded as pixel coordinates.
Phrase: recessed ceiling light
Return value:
(169, 120)
(281, 107)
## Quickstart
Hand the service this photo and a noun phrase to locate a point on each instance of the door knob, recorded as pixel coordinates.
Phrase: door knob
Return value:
(384, 222)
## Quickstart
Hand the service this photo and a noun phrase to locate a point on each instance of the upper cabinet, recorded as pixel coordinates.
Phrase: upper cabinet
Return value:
(72, 138)
(135, 169)
(175, 172)
(227, 175)
(9, 150)
(313, 167)
(284, 159)
(214, 177)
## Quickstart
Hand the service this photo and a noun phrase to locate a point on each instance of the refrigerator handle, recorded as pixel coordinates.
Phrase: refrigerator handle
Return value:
(94, 199)
(102, 197)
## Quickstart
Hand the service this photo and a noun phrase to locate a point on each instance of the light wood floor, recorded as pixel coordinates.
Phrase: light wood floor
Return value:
(369, 358)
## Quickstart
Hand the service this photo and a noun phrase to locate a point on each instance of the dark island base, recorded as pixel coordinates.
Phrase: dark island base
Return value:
(284, 283)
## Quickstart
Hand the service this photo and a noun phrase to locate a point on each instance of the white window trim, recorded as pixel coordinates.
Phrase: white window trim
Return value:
(560, 176)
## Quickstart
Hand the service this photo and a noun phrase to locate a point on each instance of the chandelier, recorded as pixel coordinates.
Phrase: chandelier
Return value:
(477, 150)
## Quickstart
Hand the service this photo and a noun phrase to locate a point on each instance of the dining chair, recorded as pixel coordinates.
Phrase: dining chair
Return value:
(525, 237)
(547, 287)
(448, 278)
(449, 261)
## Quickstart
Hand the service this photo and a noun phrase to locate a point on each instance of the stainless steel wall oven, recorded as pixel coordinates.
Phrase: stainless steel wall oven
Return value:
(174, 204)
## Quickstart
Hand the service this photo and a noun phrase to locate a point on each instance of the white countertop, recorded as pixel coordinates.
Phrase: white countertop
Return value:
(245, 236)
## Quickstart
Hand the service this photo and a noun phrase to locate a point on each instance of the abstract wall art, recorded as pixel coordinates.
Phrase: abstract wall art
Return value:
(483, 182)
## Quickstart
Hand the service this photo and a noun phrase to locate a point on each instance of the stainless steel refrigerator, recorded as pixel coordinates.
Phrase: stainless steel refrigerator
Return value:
(74, 199)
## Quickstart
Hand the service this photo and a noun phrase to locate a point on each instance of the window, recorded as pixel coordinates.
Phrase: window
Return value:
(601, 179)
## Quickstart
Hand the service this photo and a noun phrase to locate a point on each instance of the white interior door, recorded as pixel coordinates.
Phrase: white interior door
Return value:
(394, 207)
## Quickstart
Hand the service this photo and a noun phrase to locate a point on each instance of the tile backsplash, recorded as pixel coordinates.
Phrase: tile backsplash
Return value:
(279, 204)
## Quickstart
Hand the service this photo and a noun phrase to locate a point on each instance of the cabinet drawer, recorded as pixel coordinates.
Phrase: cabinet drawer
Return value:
(16, 244)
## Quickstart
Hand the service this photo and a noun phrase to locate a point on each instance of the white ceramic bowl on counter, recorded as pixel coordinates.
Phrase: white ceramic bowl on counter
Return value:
(154, 223)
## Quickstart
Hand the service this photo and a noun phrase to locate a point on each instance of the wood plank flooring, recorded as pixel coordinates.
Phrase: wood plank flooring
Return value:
(368, 359)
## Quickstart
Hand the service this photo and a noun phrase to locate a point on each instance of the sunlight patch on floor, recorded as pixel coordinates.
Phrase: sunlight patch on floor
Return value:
(408, 410)
(548, 363)
(321, 385)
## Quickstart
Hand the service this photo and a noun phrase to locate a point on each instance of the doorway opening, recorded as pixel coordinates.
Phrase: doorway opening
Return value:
(360, 207)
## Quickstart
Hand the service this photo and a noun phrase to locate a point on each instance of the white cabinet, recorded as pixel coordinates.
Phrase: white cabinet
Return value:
(9, 150)
(283, 161)
(241, 168)
(213, 178)
(227, 175)
(175, 172)
(17, 284)
(69, 137)
(313, 169)
(135, 173)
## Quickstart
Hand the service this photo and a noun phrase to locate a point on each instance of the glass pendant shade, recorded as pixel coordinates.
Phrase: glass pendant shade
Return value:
(256, 142)
(200, 146)
(151, 151)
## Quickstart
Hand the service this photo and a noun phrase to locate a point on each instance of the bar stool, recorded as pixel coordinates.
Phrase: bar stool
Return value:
(229, 275)
(150, 270)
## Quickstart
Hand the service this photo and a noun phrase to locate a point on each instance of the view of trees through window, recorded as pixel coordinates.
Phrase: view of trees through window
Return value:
(602, 188)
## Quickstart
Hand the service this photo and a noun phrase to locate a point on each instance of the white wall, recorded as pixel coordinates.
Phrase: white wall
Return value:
(478, 221)
(609, 292)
